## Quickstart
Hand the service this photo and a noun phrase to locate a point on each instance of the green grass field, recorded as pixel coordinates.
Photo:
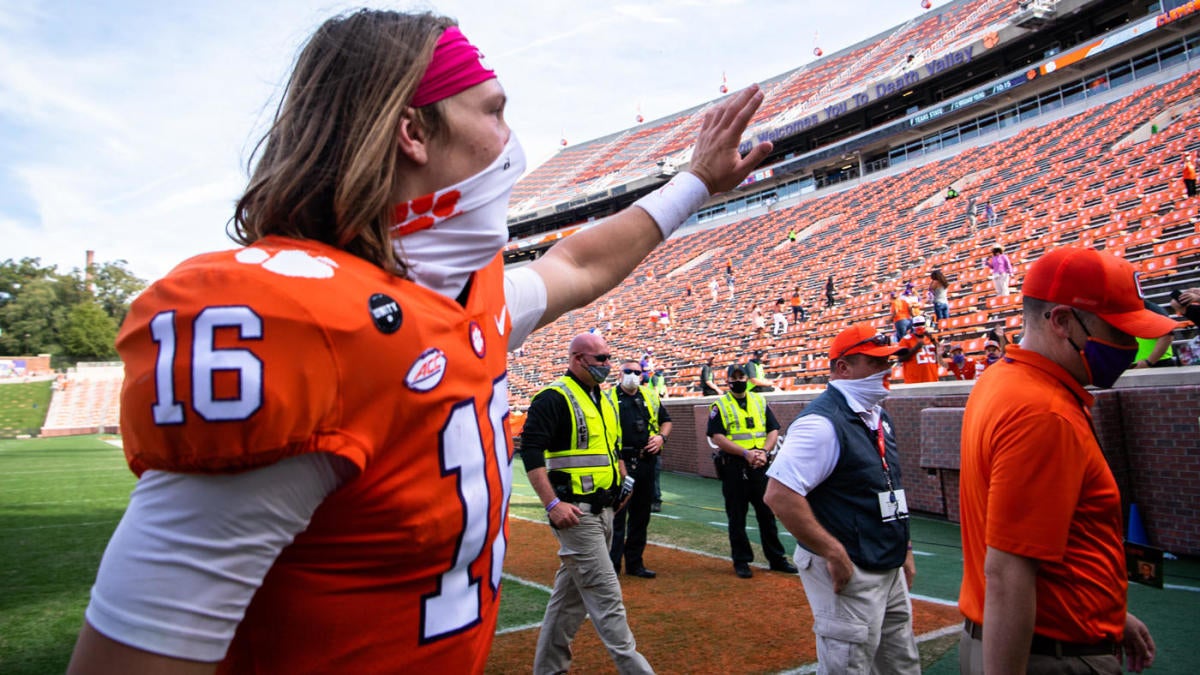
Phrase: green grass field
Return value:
(61, 498)
(23, 408)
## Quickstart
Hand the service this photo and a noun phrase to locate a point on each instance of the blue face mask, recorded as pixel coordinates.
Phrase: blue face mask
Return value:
(959, 359)
(1103, 361)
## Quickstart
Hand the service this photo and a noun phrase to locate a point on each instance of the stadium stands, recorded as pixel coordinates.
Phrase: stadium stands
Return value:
(1077, 180)
(88, 404)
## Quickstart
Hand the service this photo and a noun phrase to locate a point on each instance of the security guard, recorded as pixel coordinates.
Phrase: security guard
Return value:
(645, 425)
(744, 430)
(756, 375)
(570, 447)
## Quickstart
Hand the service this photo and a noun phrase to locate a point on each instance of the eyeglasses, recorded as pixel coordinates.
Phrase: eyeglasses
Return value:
(631, 371)
(878, 340)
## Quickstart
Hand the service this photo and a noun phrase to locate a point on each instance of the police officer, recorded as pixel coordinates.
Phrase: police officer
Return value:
(570, 447)
(645, 426)
(756, 376)
(744, 430)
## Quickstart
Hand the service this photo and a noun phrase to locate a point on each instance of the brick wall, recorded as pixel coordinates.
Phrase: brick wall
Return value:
(1148, 426)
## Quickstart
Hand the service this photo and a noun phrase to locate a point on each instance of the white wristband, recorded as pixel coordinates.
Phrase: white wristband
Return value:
(675, 202)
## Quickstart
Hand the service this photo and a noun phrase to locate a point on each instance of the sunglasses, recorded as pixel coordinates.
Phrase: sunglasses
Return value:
(879, 340)
(631, 371)
(600, 358)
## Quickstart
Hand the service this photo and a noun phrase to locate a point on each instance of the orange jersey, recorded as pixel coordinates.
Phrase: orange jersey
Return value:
(923, 366)
(240, 358)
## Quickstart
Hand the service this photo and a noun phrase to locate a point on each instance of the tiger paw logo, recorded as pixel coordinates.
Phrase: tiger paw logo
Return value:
(425, 212)
(288, 262)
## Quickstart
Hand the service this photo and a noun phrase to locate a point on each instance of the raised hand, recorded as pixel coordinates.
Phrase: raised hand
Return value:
(715, 157)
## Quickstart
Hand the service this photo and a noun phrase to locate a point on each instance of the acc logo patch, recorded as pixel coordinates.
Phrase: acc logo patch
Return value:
(386, 314)
(477, 344)
(427, 371)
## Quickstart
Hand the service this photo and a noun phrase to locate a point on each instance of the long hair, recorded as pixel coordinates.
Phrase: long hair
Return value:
(937, 276)
(326, 169)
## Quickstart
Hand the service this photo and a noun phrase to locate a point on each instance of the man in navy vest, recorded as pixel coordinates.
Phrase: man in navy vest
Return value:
(836, 487)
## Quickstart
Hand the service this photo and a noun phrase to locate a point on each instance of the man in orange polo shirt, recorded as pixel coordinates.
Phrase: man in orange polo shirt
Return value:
(1044, 585)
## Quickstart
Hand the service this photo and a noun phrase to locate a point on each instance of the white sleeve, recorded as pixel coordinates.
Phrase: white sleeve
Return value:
(525, 297)
(192, 549)
(809, 454)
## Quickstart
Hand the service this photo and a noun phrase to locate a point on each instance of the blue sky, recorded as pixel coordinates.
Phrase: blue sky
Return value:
(125, 126)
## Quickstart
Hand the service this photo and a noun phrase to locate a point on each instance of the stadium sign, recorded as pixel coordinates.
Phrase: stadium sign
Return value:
(874, 91)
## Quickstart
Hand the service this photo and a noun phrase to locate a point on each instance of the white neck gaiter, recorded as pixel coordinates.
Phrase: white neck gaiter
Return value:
(869, 391)
(446, 236)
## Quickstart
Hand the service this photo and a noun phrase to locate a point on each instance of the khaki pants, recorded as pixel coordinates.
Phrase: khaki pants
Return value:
(867, 628)
(586, 585)
(970, 661)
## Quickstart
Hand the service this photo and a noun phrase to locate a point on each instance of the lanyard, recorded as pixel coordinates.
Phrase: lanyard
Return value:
(883, 457)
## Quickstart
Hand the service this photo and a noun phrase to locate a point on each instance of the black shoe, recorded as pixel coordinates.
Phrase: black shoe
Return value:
(784, 566)
(742, 570)
(643, 573)
(656, 507)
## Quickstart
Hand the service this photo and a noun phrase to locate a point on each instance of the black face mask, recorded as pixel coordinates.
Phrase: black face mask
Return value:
(738, 387)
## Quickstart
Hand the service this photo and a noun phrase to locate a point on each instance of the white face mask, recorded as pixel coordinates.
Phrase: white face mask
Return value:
(870, 390)
(443, 250)
(630, 382)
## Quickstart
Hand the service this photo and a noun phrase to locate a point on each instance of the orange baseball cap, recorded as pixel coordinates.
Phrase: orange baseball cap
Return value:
(861, 338)
(1095, 282)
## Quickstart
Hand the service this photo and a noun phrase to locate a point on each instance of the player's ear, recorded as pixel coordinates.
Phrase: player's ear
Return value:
(412, 138)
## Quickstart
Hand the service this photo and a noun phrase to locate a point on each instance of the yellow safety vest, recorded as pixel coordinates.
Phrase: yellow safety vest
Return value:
(652, 403)
(591, 462)
(753, 372)
(736, 420)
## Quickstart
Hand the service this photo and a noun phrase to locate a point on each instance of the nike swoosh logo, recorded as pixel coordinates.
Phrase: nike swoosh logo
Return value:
(500, 321)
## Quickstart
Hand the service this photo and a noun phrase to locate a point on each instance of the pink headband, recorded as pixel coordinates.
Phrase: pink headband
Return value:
(456, 65)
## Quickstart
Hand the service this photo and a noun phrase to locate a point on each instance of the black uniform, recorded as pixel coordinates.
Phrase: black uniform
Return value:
(742, 486)
(635, 433)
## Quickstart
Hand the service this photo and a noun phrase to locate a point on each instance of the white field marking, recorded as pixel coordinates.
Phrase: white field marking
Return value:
(718, 524)
(663, 515)
(916, 552)
(934, 601)
(518, 629)
(807, 669)
(525, 582)
(116, 443)
(1177, 587)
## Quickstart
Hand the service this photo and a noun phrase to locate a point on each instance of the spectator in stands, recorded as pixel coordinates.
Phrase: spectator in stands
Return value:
(757, 321)
(962, 367)
(384, 114)
(1001, 268)
(991, 353)
(744, 430)
(708, 381)
(714, 288)
(989, 212)
(973, 214)
(938, 285)
(687, 289)
(951, 193)
(779, 322)
(920, 355)
(1189, 174)
(1155, 352)
(798, 312)
(792, 235)
(647, 364)
(729, 282)
(910, 296)
(658, 382)
(664, 319)
(829, 292)
(999, 334)
(901, 315)
(1186, 303)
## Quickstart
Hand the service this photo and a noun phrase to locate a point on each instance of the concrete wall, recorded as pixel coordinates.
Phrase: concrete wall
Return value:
(1148, 426)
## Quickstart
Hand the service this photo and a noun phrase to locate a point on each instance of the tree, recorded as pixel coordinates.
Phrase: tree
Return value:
(89, 332)
(28, 320)
(114, 287)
